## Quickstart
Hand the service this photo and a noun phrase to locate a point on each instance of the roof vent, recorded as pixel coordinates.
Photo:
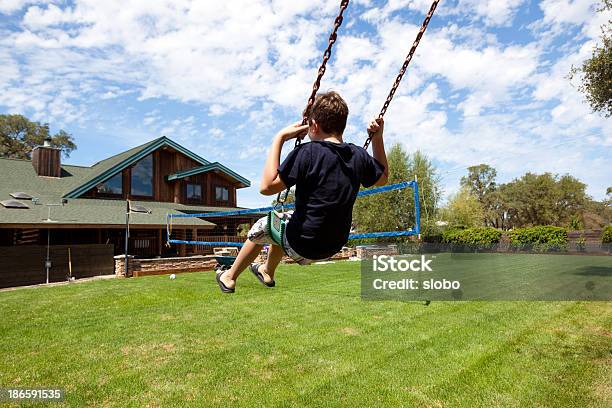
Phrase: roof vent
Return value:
(20, 195)
(13, 204)
(47, 142)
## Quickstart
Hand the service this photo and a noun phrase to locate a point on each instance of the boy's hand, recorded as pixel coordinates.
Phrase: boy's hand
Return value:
(292, 131)
(376, 127)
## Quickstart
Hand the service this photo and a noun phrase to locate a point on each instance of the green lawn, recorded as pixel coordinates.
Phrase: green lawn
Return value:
(310, 341)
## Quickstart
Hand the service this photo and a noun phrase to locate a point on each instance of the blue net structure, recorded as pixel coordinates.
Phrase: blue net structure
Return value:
(380, 213)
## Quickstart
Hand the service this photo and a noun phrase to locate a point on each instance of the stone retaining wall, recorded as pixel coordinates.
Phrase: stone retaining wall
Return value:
(363, 252)
(161, 266)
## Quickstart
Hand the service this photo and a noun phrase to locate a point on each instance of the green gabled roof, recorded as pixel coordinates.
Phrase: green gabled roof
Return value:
(19, 175)
(216, 166)
(104, 213)
(106, 169)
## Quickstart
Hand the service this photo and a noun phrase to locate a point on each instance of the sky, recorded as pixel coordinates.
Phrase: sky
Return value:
(489, 83)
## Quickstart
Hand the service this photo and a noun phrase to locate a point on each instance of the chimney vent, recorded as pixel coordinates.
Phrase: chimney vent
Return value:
(47, 160)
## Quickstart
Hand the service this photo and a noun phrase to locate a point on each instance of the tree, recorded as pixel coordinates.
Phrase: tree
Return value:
(480, 181)
(543, 199)
(19, 136)
(394, 211)
(464, 210)
(596, 80)
(420, 165)
(290, 197)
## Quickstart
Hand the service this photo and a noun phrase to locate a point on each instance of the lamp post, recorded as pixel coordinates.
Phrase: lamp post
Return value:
(129, 208)
(127, 234)
(48, 258)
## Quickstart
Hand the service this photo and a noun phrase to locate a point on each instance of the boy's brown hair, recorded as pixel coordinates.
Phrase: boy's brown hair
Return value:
(330, 112)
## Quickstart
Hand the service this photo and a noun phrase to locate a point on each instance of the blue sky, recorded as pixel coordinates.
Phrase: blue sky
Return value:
(488, 84)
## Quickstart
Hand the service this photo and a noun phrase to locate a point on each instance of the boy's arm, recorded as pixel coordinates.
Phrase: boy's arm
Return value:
(376, 128)
(271, 183)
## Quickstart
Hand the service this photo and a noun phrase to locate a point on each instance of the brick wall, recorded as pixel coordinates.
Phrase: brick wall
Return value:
(364, 252)
(161, 266)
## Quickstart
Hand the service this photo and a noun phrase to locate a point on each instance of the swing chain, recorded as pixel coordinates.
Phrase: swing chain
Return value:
(402, 71)
(326, 56)
(317, 83)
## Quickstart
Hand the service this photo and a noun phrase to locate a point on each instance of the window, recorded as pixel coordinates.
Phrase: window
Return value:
(20, 195)
(221, 194)
(142, 177)
(194, 192)
(12, 204)
(112, 186)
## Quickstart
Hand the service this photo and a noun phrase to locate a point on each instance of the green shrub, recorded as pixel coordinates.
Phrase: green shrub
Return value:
(581, 244)
(431, 233)
(484, 236)
(541, 239)
(606, 236)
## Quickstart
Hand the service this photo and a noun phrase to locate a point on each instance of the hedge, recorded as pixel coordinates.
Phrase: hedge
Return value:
(606, 237)
(541, 238)
(472, 236)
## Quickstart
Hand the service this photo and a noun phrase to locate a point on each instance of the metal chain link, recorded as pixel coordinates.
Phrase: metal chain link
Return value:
(402, 71)
(326, 56)
(317, 83)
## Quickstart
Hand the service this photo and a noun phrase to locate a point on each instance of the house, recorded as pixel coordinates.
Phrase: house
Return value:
(160, 175)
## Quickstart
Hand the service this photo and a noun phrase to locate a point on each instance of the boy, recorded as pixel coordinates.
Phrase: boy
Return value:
(327, 174)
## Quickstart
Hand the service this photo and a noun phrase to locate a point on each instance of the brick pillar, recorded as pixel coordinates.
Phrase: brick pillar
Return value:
(133, 265)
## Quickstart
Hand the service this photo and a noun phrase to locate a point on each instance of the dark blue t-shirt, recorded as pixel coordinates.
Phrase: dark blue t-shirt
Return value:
(327, 177)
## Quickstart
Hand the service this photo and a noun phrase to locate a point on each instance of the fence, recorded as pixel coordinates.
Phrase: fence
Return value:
(25, 265)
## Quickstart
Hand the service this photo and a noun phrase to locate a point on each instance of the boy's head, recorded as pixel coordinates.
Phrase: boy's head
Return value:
(329, 112)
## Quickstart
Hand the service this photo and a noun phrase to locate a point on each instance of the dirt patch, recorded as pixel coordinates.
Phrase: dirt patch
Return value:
(168, 347)
(146, 349)
(350, 331)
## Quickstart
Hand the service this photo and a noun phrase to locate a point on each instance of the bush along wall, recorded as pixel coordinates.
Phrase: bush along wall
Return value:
(606, 238)
(539, 239)
(472, 238)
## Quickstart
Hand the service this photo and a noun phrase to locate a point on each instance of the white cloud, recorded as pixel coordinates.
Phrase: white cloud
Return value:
(470, 95)
(567, 11)
(11, 6)
(40, 18)
(493, 12)
(9, 69)
(490, 71)
(559, 15)
(216, 134)
(253, 151)
(189, 51)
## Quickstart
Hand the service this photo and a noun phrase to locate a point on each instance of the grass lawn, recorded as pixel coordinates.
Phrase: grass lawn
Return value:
(310, 341)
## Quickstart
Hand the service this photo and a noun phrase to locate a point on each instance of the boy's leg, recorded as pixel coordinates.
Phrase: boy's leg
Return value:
(247, 254)
(275, 255)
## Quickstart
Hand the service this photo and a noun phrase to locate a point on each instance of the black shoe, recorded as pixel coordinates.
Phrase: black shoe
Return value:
(255, 269)
(222, 286)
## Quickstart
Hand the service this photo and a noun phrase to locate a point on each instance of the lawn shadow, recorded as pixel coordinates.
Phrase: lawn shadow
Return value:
(594, 271)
